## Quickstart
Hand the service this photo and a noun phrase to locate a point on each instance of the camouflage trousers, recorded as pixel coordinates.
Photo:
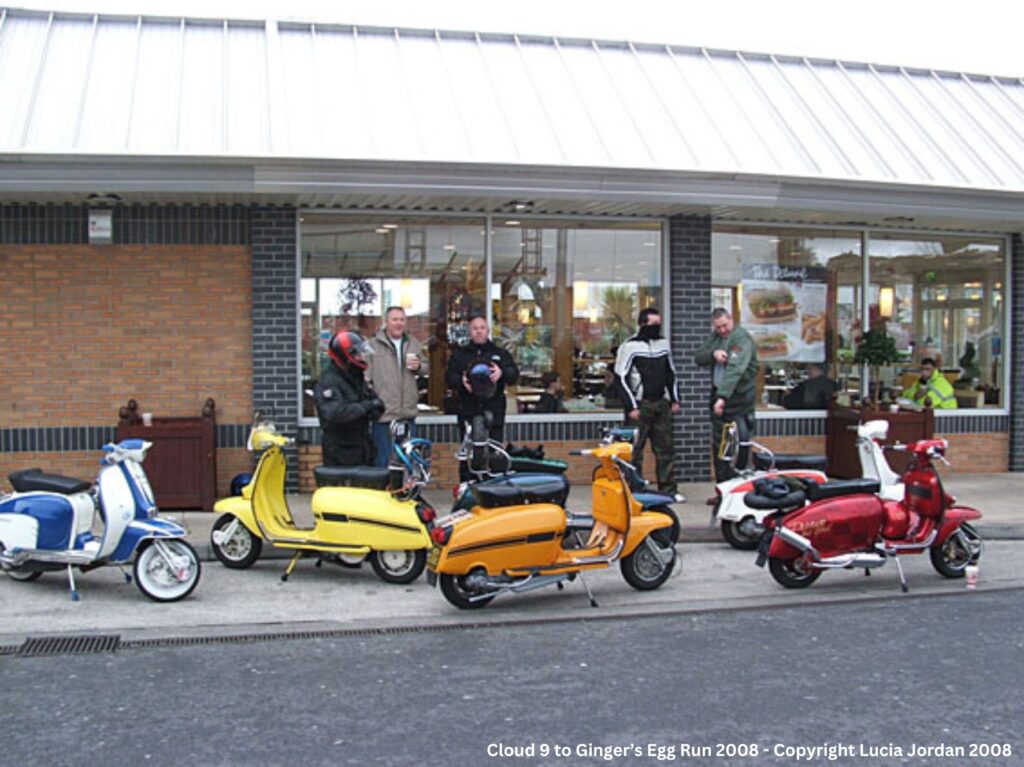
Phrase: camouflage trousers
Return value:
(656, 426)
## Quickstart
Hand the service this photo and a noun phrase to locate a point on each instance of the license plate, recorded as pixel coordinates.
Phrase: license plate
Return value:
(434, 557)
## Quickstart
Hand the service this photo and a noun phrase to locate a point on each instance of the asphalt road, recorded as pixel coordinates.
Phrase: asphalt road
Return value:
(751, 685)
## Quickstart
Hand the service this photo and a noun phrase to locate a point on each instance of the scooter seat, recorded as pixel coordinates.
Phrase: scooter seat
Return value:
(790, 461)
(26, 480)
(497, 492)
(368, 477)
(836, 488)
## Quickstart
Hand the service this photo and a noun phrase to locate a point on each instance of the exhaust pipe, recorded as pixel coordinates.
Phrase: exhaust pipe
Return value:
(797, 541)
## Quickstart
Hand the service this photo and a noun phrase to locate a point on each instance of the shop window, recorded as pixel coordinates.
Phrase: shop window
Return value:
(797, 293)
(943, 298)
(564, 297)
(353, 269)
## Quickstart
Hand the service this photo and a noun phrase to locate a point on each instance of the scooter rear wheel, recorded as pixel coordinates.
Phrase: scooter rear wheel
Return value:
(24, 575)
(239, 551)
(787, 573)
(454, 589)
(733, 533)
(398, 566)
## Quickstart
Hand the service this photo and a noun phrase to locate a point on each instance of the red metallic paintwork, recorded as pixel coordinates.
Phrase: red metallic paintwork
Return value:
(953, 518)
(923, 492)
(837, 525)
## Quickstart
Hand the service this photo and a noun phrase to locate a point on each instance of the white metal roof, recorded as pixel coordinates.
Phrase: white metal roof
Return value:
(80, 87)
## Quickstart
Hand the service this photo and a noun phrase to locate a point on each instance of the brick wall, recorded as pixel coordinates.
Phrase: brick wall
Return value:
(690, 296)
(85, 328)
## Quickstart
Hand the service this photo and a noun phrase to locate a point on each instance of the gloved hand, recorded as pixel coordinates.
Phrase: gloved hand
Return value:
(375, 408)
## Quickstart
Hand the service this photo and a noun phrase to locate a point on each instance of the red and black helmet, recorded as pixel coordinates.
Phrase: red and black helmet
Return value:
(349, 349)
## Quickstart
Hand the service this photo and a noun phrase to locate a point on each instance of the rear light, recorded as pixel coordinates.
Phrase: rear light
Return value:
(426, 513)
(458, 490)
(440, 535)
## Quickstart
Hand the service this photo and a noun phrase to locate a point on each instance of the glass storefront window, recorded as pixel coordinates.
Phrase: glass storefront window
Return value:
(797, 293)
(353, 268)
(942, 297)
(564, 296)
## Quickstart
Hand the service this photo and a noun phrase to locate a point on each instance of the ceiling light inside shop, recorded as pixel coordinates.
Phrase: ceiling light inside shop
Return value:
(735, 247)
(513, 223)
(390, 226)
(450, 247)
(381, 231)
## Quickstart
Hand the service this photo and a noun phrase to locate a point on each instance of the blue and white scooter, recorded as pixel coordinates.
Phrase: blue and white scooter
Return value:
(47, 525)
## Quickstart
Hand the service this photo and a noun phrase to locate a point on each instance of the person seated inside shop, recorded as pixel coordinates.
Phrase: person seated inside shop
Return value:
(932, 389)
(554, 392)
(814, 393)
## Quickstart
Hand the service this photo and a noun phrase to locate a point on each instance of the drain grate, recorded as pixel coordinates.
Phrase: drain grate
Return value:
(70, 644)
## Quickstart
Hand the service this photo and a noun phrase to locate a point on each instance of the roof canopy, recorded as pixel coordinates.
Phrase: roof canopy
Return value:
(297, 107)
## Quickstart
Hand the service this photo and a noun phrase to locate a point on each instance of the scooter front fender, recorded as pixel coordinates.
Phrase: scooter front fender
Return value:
(141, 530)
(640, 527)
(241, 508)
(953, 518)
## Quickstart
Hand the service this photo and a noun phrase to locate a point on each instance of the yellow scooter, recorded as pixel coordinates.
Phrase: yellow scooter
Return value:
(359, 512)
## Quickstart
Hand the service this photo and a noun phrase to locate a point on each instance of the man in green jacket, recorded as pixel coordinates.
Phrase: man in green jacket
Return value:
(932, 389)
(731, 355)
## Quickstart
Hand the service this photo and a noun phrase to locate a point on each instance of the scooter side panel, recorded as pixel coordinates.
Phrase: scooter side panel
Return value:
(506, 538)
(367, 517)
(54, 516)
(839, 525)
(18, 531)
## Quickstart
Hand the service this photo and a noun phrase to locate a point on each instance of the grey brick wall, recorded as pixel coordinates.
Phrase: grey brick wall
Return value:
(1015, 343)
(275, 384)
(690, 294)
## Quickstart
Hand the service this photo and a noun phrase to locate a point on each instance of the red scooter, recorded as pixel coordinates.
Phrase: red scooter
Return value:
(847, 526)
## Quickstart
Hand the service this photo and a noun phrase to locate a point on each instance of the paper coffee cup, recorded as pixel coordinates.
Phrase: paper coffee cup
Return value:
(894, 408)
(971, 574)
(147, 419)
(410, 360)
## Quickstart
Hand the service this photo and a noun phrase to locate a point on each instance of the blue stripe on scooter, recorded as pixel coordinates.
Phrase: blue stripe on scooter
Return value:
(333, 517)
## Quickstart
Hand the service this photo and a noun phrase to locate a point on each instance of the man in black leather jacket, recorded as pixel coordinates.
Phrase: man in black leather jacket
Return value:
(503, 370)
(345, 403)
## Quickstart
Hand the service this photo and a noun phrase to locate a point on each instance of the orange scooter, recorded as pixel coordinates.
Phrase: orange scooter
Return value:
(495, 547)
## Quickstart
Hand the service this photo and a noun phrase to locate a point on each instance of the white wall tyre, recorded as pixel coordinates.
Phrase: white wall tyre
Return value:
(398, 566)
(23, 574)
(155, 577)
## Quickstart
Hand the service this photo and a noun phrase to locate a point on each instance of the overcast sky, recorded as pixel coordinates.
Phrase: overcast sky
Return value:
(980, 36)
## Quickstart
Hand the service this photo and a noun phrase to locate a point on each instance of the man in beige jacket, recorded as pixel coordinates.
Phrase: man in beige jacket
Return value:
(396, 361)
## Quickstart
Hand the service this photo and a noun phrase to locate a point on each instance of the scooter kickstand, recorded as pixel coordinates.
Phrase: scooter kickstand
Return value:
(590, 594)
(903, 578)
(127, 575)
(71, 585)
(291, 566)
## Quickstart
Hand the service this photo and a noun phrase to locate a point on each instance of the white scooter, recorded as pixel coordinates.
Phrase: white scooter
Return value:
(742, 526)
(47, 524)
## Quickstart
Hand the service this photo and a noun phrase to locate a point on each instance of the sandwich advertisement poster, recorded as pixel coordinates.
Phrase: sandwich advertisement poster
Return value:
(784, 309)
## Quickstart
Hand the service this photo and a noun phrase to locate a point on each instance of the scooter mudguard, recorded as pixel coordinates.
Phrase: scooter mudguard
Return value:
(953, 518)
(241, 507)
(139, 530)
(362, 517)
(641, 526)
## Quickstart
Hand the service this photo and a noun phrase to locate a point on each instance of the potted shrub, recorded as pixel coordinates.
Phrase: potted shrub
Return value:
(877, 348)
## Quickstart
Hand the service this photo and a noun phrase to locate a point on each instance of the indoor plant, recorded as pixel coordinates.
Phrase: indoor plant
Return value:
(877, 348)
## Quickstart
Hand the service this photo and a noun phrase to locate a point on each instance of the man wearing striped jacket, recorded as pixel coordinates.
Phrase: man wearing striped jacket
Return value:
(646, 377)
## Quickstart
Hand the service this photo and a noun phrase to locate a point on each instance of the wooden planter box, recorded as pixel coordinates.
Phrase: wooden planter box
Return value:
(841, 441)
(182, 464)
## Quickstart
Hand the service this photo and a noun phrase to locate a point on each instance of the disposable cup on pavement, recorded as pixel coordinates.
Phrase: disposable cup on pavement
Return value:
(147, 419)
(971, 573)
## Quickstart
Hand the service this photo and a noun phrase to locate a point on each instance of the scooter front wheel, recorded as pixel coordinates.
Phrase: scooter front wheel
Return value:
(959, 550)
(167, 581)
(651, 563)
(398, 566)
(454, 589)
(240, 549)
(791, 575)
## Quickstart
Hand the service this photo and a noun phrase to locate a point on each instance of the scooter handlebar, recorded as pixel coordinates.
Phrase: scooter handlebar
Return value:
(581, 452)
